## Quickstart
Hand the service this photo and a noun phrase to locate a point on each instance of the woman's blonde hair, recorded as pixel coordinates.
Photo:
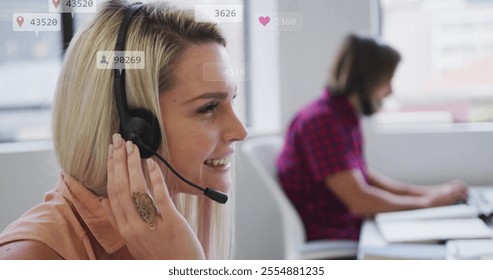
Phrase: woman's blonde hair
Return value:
(85, 114)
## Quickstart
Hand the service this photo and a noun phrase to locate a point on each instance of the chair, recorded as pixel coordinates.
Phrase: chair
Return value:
(261, 152)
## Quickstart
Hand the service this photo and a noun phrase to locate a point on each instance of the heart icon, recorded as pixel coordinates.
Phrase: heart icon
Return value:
(264, 20)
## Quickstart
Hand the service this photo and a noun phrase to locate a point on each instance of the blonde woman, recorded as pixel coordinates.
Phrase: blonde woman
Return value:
(92, 212)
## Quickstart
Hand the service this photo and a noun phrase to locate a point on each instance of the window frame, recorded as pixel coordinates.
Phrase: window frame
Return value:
(373, 125)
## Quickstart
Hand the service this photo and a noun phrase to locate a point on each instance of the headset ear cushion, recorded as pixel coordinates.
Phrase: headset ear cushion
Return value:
(148, 129)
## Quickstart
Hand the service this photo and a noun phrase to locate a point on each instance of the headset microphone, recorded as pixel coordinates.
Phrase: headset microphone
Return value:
(217, 196)
(139, 125)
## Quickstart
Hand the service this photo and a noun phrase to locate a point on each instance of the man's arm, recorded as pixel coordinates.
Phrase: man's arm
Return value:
(394, 186)
(364, 199)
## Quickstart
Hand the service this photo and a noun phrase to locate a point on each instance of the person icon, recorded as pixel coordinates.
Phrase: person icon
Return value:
(103, 60)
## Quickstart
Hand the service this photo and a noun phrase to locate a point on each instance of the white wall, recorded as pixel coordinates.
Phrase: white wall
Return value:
(262, 49)
(305, 56)
(432, 155)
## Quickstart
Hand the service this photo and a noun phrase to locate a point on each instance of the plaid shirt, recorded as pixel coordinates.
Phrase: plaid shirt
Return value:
(323, 139)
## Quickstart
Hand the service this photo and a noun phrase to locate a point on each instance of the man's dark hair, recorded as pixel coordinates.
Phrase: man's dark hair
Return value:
(361, 65)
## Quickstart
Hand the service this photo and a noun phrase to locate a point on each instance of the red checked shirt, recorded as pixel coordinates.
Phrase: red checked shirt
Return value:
(324, 138)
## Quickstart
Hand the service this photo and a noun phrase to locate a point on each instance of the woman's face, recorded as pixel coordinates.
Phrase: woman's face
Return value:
(199, 121)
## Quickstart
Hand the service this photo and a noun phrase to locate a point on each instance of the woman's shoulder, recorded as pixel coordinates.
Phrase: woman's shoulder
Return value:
(51, 226)
(27, 250)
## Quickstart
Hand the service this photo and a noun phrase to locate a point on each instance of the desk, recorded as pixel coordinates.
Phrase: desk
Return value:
(373, 246)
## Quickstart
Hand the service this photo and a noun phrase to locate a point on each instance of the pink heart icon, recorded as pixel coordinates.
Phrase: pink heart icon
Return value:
(264, 20)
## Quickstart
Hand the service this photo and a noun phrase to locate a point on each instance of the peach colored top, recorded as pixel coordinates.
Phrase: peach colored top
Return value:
(71, 220)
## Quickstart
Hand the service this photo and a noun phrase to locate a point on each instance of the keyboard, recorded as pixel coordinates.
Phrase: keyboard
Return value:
(482, 199)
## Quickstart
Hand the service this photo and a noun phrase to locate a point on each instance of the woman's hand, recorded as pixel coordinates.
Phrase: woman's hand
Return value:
(171, 237)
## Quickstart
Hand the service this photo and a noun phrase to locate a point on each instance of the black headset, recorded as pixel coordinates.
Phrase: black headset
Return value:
(140, 125)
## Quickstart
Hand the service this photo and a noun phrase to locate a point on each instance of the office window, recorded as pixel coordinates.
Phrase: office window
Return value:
(29, 66)
(446, 72)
